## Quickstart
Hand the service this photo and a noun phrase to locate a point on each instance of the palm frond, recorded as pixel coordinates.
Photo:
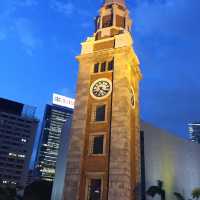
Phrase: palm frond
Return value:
(178, 196)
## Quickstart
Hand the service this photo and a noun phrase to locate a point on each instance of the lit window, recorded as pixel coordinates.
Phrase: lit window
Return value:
(23, 140)
(100, 113)
(21, 156)
(5, 182)
(191, 130)
(94, 189)
(97, 144)
(12, 154)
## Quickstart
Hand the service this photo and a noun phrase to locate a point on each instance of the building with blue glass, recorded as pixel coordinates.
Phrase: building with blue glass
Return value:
(55, 116)
(194, 132)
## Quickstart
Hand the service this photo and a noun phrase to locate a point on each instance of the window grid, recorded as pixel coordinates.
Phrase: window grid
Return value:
(103, 67)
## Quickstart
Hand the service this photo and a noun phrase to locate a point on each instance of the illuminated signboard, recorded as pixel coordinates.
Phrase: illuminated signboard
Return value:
(63, 101)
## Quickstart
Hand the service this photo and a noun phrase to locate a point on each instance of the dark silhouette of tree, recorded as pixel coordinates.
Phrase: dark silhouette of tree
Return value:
(179, 196)
(38, 190)
(157, 190)
(7, 193)
(196, 193)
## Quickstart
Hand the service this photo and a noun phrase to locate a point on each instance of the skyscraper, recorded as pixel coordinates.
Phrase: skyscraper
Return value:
(56, 115)
(104, 151)
(18, 127)
(194, 132)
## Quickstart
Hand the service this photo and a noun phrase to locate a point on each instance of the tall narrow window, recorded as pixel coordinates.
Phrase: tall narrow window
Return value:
(120, 21)
(111, 65)
(96, 68)
(107, 21)
(103, 67)
(97, 144)
(100, 113)
(94, 189)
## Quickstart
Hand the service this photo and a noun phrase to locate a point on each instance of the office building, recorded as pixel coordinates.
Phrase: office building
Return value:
(194, 132)
(18, 127)
(56, 115)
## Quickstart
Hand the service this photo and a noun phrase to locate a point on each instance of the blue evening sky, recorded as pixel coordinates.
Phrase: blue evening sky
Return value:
(39, 40)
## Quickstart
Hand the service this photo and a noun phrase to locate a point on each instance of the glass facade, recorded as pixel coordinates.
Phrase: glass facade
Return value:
(54, 119)
(194, 132)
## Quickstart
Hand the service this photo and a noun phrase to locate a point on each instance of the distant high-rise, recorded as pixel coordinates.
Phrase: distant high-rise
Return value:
(194, 132)
(56, 115)
(18, 127)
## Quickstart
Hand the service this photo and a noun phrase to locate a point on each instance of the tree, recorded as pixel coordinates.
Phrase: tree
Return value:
(38, 190)
(179, 196)
(157, 190)
(196, 193)
(7, 193)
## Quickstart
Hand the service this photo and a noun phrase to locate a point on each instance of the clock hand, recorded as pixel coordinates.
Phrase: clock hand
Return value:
(105, 89)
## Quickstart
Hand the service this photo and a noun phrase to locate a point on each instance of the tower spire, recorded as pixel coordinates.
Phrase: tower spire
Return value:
(122, 2)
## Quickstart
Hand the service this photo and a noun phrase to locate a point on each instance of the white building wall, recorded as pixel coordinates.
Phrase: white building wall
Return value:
(173, 160)
(58, 184)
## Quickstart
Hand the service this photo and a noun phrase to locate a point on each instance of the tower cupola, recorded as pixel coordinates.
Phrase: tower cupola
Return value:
(120, 2)
(113, 19)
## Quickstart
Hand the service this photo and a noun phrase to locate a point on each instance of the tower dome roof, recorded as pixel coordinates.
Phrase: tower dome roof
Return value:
(122, 2)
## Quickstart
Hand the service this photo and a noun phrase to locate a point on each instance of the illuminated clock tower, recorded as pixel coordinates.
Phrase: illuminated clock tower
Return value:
(104, 151)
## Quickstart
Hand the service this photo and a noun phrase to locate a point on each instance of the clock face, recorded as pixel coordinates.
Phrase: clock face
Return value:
(101, 88)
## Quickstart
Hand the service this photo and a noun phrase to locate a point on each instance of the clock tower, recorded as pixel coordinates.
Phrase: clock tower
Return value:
(104, 150)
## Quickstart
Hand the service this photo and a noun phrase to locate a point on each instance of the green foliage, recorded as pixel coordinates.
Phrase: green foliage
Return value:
(160, 184)
(157, 190)
(196, 193)
(153, 191)
(38, 190)
(179, 196)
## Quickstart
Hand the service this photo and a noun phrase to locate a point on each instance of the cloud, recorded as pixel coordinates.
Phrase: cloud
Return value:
(166, 17)
(26, 35)
(2, 35)
(22, 28)
(166, 34)
(68, 8)
(65, 8)
(86, 24)
(11, 7)
(25, 3)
